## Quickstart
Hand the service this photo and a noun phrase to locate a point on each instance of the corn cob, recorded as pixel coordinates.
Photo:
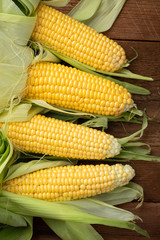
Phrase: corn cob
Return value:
(70, 182)
(64, 139)
(71, 88)
(76, 40)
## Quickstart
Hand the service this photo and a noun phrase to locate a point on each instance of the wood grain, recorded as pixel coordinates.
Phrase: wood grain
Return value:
(136, 27)
(139, 20)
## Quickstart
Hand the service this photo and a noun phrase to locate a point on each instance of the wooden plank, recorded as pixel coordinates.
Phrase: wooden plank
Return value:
(138, 20)
(149, 212)
(148, 61)
(146, 64)
(151, 134)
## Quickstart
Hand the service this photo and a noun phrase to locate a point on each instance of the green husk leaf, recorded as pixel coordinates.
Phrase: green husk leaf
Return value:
(58, 210)
(12, 83)
(126, 73)
(56, 3)
(68, 230)
(133, 137)
(6, 154)
(22, 168)
(24, 6)
(101, 122)
(13, 65)
(19, 28)
(102, 209)
(18, 233)
(27, 7)
(120, 195)
(85, 9)
(42, 54)
(132, 155)
(104, 17)
(21, 112)
(98, 121)
(136, 146)
(138, 150)
(11, 219)
(8, 6)
(14, 54)
(57, 108)
(25, 156)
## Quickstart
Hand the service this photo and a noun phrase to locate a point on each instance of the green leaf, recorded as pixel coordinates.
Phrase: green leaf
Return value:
(133, 137)
(58, 210)
(85, 9)
(56, 3)
(102, 209)
(120, 195)
(98, 15)
(13, 64)
(126, 73)
(97, 122)
(106, 15)
(22, 168)
(18, 233)
(68, 230)
(55, 108)
(17, 28)
(131, 155)
(8, 6)
(27, 7)
(21, 112)
(42, 54)
(6, 154)
(12, 219)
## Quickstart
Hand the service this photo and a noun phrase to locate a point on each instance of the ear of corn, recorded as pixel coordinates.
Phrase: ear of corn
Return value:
(59, 138)
(71, 182)
(71, 88)
(76, 40)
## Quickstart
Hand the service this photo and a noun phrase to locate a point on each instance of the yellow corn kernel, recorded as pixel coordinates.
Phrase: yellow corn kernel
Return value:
(51, 136)
(76, 40)
(70, 182)
(71, 88)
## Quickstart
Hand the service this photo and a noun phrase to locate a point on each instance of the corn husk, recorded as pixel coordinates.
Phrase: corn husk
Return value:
(20, 232)
(93, 212)
(72, 230)
(20, 112)
(13, 65)
(85, 10)
(22, 168)
(78, 213)
(7, 155)
(99, 15)
(56, 3)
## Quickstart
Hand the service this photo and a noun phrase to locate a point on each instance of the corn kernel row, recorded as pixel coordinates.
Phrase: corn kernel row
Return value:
(70, 182)
(71, 88)
(76, 40)
(59, 138)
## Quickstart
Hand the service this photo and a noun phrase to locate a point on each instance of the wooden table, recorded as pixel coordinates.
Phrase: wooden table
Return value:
(137, 26)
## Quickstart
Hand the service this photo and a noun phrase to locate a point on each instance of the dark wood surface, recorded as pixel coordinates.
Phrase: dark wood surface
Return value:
(137, 26)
